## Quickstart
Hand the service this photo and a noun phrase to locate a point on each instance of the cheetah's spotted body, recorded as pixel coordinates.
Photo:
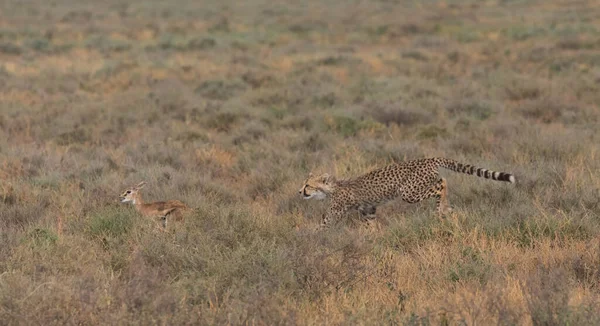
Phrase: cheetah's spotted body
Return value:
(413, 181)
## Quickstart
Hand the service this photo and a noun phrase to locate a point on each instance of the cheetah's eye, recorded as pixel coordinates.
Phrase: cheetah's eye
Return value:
(128, 191)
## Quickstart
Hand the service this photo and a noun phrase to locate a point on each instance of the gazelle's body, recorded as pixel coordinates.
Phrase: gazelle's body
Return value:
(159, 209)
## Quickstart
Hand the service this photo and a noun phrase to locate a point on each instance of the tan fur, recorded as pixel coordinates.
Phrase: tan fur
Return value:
(160, 209)
(413, 181)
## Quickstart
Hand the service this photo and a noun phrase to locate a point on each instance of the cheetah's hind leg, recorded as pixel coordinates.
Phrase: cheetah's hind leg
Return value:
(440, 192)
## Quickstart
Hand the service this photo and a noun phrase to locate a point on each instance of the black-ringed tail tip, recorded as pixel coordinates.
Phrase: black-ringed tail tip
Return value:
(473, 170)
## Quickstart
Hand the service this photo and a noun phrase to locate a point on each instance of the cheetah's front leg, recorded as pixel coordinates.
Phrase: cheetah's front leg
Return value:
(368, 212)
(368, 215)
(333, 213)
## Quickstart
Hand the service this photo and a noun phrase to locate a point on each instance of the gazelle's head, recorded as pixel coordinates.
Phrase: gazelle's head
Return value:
(131, 194)
(317, 186)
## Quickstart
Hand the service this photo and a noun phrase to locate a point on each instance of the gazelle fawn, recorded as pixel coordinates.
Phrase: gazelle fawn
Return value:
(162, 209)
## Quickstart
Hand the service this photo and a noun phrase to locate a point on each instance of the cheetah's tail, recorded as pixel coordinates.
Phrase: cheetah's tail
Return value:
(473, 170)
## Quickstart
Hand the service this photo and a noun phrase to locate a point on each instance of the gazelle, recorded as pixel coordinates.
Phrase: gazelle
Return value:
(161, 209)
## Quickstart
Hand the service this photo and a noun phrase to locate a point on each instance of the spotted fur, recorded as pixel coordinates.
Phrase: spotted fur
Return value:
(413, 181)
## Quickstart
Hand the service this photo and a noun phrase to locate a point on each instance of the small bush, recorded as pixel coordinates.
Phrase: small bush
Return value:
(432, 131)
(478, 109)
(471, 266)
(219, 89)
(110, 222)
(10, 48)
(399, 116)
(547, 297)
(223, 121)
(348, 126)
(416, 55)
(550, 110)
(43, 237)
(522, 33)
(108, 44)
(201, 43)
(77, 136)
(520, 90)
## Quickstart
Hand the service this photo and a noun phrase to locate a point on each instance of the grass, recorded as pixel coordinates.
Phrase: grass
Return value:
(227, 107)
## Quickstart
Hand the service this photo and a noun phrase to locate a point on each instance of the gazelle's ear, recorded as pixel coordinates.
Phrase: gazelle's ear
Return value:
(140, 185)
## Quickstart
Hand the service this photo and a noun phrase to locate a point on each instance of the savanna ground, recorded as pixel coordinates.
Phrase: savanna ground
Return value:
(228, 105)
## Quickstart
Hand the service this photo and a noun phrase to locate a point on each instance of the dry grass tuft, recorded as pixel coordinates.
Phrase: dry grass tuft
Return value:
(228, 106)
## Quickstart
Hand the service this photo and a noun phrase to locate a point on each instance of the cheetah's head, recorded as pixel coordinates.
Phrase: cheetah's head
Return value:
(317, 186)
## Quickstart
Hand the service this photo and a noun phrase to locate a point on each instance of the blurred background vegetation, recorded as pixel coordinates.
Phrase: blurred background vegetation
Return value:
(228, 105)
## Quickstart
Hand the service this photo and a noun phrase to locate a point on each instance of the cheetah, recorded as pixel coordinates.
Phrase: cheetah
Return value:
(413, 181)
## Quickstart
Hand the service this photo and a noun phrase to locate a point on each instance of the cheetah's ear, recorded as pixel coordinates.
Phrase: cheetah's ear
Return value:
(310, 175)
(325, 178)
(140, 185)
